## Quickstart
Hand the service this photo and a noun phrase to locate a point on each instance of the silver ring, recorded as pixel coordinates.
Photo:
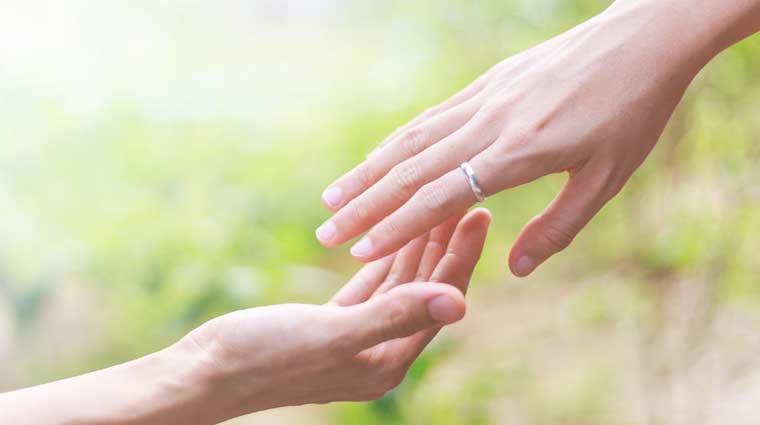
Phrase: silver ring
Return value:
(469, 172)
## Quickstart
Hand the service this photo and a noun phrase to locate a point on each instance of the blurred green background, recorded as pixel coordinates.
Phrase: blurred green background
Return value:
(162, 162)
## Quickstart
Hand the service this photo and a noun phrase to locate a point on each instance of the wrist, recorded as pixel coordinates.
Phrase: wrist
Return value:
(171, 386)
(227, 388)
(199, 385)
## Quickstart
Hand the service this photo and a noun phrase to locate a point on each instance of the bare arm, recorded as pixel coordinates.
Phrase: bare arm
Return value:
(166, 387)
(356, 347)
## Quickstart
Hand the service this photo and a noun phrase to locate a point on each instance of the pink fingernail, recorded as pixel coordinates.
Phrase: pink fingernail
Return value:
(363, 248)
(525, 266)
(326, 232)
(333, 196)
(443, 309)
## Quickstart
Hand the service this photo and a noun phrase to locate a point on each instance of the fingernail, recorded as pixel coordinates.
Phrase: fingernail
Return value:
(443, 309)
(362, 248)
(326, 231)
(333, 196)
(524, 266)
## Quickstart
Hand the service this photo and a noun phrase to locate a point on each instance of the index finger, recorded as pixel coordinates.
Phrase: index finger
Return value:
(411, 142)
(429, 207)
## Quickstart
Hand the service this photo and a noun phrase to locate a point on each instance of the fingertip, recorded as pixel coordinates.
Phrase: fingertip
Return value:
(523, 266)
(326, 233)
(523, 262)
(483, 215)
(483, 211)
(363, 250)
(332, 198)
(476, 221)
(478, 215)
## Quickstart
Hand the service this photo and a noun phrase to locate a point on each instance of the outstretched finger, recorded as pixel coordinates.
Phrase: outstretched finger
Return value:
(501, 166)
(405, 181)
(433, 204)
(411, 142)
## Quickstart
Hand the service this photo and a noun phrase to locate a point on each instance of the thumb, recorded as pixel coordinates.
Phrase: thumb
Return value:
(554, 230)
(402, 312)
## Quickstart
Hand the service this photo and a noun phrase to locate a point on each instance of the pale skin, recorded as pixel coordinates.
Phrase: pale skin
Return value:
(591, 102)
(356, 347)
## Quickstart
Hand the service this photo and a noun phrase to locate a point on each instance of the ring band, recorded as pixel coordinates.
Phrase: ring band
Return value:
(469, 172)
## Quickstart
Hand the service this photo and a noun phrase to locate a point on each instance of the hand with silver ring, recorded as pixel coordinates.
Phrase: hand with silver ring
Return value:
(591, 102)
(480, 196)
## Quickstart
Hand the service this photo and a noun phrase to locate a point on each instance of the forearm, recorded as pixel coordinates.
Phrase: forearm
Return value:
(162, 388)
(703, 28)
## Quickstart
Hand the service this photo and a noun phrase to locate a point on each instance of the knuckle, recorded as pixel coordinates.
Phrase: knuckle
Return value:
(435, 198)
(494, 113)
(414, 140)
(398, 321)
(389, 227)
(360, 211)
(605, 181)
(613, 188)
(456, 265)
(557, 235)
(491, 109)
(611, 183)
(406, 177)
(366, 175)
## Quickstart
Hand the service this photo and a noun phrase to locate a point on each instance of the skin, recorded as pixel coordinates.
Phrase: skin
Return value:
(591, 102)
(356, 347)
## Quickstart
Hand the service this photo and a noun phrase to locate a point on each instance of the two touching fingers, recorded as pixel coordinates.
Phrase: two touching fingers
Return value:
(408, 309)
